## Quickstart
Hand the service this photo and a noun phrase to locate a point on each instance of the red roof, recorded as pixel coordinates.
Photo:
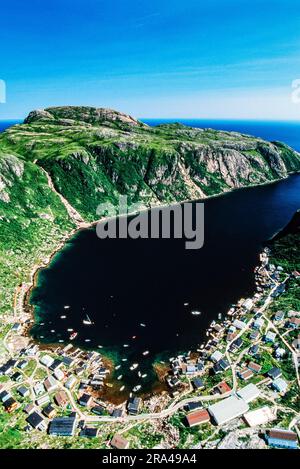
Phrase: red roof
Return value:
(197, 417)
(223, 387)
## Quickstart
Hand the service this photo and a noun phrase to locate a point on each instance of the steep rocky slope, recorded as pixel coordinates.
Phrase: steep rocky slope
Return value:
(86, 156)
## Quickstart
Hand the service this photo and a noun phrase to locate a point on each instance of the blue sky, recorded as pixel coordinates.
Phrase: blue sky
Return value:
(159, 58)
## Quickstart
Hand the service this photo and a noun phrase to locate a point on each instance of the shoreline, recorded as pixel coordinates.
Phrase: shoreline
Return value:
(28, 309)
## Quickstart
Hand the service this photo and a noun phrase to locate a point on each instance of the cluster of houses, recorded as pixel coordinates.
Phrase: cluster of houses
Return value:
(46, 402)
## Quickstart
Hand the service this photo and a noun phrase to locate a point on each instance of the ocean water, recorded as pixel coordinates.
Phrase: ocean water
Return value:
(287, 132)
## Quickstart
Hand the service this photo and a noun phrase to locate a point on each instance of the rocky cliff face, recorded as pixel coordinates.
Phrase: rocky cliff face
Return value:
(93, 155)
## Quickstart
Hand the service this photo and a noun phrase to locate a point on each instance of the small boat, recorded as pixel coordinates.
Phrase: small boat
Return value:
(125, 345)
(139, 374)
(66, 307)
(87, 340)
(70, 330)
(117, 367)
(134, 337)
(144, 375)
(87, 321)
(134, 366)
(73, 335)
(122, 388)
(146, 352)
(52, 330)
(63, 317)
(109, 385)
(185, 304)
(142, 324)
(137, 388)
(196, 313)
(100, 346)
(41, 336)
(60, 340)
(120, 377)
(124, 359)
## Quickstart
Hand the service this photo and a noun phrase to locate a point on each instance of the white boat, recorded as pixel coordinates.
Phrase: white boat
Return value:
(60, 340)
(139, 374)
(146, 352)
(144, 375)
(100, 346)
(122, 388)
(125, 345)
(63, 317)
(142, 324)
(87, 340)
(137, 388)
(134, 366)
(70, 330)
(117, 367)
(185, 304)
(66, 307)
(120, 377)
(52, 330)
(87, 321)
(73, 335)
(196, 313)
(124, 359)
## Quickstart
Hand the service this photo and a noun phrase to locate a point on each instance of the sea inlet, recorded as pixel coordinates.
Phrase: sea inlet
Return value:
(132, 296)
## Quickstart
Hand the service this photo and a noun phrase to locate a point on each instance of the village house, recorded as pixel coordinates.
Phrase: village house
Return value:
(119, 442)
(89, 432)
(245, 374)
(274, 373)
(23, 391)
(29, 408)
(49, 411)
(222, 388)
(198, 417)
(134, 405)
(198, 384)
(36, 421)
(293, 322)
(50, 384)
(63, 426)
(85, 400)
(61, 399)
(71, 382)
(46, 360)
(270, 337)
(279, 438)
(280, 385)
(43, 400)
(10, 404)
(254, 367)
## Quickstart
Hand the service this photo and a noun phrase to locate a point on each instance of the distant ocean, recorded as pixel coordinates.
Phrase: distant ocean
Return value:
(288, 132)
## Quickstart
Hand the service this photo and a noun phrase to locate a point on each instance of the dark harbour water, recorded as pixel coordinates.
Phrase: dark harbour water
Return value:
(123, 283)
